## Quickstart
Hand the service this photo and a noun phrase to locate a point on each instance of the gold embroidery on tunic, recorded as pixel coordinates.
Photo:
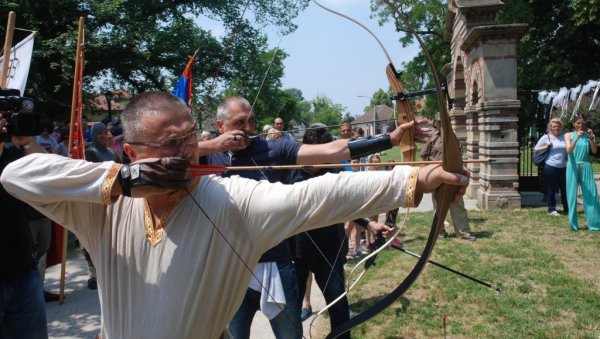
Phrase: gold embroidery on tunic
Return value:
(108, 182)
(154, 233)
(411, 186)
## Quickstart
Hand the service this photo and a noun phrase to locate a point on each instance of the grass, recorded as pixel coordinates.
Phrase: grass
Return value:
(549, 278)
(394, 154)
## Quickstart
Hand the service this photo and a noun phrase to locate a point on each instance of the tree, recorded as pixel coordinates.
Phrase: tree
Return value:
(428, 17)
(326, 112)
(561, 46)
(348, 117)
(142, 45)
(380, 97)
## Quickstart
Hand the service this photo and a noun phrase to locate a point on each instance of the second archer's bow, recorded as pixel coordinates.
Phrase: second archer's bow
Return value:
(402, 114)
(451, 162)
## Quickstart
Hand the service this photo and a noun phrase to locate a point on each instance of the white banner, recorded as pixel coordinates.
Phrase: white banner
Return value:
(18, 68)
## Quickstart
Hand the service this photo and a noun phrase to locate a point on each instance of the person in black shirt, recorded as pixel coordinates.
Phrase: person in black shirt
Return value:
(323, 251)
(22, 307)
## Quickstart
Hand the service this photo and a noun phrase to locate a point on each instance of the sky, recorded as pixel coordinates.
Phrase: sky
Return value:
(334, 57)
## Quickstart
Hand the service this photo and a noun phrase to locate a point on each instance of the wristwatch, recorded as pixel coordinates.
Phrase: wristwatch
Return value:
(125, 180)
(129, 175)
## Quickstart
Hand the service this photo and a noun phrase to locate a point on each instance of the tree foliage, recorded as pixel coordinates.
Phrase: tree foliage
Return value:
(380, 97)
(142, 45)
(428, 18)
(561, 46)
(326, 112)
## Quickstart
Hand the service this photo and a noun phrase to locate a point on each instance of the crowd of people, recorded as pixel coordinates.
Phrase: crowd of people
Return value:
(567, 169)
(161, 236)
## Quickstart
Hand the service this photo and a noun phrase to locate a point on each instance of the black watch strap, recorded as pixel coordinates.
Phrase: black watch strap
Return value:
(125, 180)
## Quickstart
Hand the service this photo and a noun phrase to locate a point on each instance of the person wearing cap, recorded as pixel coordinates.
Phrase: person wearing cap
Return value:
(433, 150)
(116, 129)
(234, 147)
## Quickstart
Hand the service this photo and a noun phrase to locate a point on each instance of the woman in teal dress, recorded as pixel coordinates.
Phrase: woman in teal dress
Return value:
(579, 172)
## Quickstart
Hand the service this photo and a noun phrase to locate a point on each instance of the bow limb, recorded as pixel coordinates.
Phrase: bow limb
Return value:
(403, 113)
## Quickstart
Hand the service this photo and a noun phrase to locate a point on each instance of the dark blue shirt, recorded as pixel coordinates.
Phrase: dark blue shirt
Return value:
(262, 153)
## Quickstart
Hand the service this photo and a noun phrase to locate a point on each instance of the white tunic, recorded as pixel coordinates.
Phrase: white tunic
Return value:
(191, 283)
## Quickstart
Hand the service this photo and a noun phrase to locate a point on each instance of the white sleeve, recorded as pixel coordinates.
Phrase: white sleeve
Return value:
(73, 193)
(277, 211)
(543, 141)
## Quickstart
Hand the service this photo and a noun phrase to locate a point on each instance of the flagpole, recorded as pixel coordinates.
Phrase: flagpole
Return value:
(74, 106)
(10, 27)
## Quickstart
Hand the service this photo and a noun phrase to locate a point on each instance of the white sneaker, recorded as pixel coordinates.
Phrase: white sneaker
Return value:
(554, 214)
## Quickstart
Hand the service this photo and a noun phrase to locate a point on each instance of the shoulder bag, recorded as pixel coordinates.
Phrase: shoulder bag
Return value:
(539, 157)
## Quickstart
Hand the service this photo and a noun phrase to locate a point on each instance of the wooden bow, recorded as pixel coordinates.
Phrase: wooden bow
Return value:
(451, 162)
(403, 112)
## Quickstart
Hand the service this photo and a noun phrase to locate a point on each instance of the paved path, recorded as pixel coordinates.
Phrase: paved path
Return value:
(79, 316)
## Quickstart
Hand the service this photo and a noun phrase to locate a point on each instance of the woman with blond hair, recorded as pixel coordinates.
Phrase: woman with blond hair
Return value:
(579, 144)
(273, 134)
(554, 168)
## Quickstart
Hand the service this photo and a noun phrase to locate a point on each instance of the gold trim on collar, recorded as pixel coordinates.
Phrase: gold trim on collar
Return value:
(154, 233)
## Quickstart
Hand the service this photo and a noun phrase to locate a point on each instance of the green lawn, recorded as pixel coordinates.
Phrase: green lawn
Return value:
(549, 277)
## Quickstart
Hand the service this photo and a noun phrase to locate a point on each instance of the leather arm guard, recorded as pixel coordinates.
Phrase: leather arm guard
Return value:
(365, 146)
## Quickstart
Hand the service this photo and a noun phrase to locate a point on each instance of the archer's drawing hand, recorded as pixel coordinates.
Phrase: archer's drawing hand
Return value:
(433, 176)
(232, 141)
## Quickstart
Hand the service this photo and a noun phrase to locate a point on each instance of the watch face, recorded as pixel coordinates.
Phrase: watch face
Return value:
(135, 171)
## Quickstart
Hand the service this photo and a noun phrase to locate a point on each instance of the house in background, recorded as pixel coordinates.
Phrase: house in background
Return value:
(98, 109)
(375, 121)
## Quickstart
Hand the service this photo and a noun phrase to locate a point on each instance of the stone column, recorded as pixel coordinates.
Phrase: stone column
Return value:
(492, 101)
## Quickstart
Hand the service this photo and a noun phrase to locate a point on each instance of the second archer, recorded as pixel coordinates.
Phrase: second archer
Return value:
(235, 122)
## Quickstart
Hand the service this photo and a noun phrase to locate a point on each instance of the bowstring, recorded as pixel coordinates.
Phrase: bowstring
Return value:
(331, 266)
(233, 36)
(265, 77)
(282, 310)
(351, 286)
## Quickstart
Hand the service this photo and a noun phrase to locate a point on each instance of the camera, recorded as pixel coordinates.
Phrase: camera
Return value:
(18, 112)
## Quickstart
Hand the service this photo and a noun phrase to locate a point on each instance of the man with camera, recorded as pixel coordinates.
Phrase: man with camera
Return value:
(22, 307)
